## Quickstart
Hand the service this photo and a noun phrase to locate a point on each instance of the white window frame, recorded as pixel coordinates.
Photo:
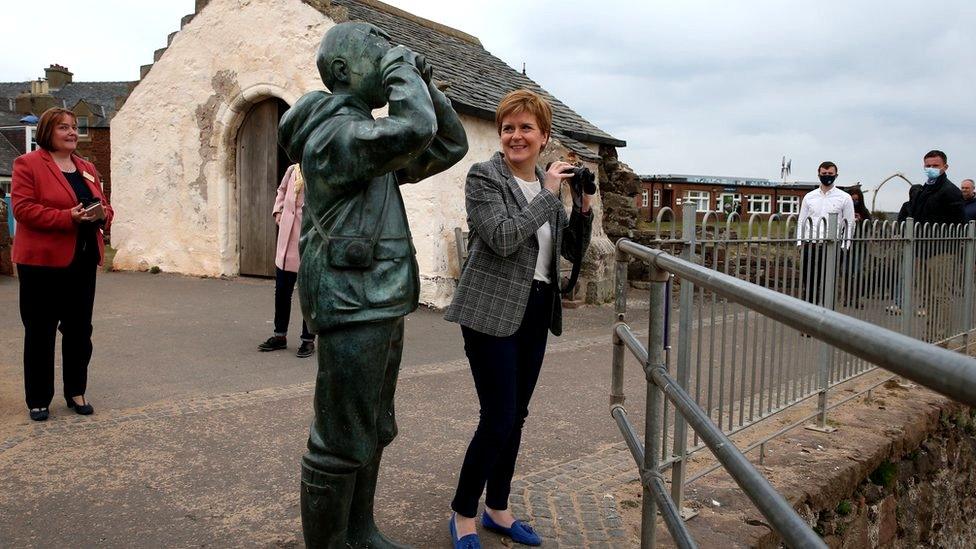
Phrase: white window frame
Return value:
(657, 198)
(793, 201)
(699, 198)
(763, 201)
(644, 198)
(82, 126)
(736, 198)
(30, 143)
(5, 186)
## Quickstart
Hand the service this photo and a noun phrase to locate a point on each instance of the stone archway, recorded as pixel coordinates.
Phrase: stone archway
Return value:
(260, 166)
(229, 120)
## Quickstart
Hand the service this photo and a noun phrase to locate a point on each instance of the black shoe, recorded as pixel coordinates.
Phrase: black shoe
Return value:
(274, 343)
(306, 349)
(39, 414)
(80, 409)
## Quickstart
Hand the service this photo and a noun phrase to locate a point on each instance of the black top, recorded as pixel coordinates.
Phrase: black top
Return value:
(87, 247)
(939, 202)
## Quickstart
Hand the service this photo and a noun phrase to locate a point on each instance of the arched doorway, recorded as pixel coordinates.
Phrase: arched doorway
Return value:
(260, 165)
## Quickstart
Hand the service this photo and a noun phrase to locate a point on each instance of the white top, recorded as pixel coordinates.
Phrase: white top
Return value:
(815, 209)
(531, 190)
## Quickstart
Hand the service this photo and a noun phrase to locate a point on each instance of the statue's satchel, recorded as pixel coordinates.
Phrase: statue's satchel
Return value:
(352, 252)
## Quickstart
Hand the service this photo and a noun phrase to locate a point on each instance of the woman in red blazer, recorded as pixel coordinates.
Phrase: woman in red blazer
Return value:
(61, 212)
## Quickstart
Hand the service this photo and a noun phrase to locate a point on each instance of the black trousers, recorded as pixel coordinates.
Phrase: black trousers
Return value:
(814, 272)
(505, 371)
(54, 299)
(284, 288)
(354, 389)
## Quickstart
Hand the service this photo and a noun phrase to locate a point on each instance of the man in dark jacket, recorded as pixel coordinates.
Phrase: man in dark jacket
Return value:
(940, 201)
(937, 211)
(968, 198)
(358, 275)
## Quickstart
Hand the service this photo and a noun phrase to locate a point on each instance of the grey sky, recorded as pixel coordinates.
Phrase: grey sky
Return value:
(705, 87)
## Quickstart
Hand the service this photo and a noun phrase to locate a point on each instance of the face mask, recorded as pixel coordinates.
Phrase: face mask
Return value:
(932, 173)
(827, 179)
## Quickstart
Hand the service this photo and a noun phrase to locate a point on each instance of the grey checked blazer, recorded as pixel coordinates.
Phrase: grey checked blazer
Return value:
(502, 249)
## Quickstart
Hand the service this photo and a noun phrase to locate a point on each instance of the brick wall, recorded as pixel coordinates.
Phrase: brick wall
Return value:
(98, 150)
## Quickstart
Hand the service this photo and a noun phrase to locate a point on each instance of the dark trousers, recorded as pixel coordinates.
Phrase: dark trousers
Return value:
(505, 371)
(284, 288)
(54, 299)
(354, 388)
(814, 256)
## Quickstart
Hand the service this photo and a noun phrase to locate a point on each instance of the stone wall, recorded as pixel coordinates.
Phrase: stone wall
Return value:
(924, 498)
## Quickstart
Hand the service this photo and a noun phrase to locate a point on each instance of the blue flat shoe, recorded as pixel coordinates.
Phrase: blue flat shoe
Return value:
(520, 532)
(470, 541)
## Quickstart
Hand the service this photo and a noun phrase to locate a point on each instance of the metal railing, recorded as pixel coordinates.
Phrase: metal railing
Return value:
(768, 377)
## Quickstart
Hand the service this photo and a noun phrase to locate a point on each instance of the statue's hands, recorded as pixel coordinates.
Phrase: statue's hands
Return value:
(397, 55)
(424, 68)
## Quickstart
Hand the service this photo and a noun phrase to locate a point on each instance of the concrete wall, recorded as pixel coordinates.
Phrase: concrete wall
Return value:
(174, 146)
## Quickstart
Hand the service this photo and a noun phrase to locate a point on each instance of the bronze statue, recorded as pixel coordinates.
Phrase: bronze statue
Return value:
(358, 275)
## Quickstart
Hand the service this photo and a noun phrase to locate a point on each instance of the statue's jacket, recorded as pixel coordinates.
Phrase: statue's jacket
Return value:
(353, 165)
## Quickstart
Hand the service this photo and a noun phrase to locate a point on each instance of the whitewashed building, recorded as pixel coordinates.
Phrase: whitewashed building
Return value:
(194, 158)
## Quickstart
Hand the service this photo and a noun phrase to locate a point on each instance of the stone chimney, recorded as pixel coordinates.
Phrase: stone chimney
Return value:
(57, 76)
(37, 100)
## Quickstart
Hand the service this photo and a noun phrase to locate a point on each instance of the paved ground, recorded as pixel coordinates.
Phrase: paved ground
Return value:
(197, 437)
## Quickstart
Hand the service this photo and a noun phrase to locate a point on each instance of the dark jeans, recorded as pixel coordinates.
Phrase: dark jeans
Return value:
(354, 388)
(54, 299)
(284, 288)
(505, 371)
(814, 273)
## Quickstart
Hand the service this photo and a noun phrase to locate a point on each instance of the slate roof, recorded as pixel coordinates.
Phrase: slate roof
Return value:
(96, 94)
(478, 80)
(8, 153)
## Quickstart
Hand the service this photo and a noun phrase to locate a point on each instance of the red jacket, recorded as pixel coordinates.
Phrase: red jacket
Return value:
(42, 199)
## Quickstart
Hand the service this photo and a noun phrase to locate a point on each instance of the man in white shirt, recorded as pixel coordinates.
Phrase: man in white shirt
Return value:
(811, 229)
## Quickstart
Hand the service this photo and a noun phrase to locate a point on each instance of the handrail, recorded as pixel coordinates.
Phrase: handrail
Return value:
(945, 371)
(949, 373)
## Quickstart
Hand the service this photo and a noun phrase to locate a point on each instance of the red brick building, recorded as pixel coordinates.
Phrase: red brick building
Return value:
(719, 194)
(94, 103)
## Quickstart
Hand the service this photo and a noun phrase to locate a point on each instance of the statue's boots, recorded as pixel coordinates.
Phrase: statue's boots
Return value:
(362, 527)
(325, 502)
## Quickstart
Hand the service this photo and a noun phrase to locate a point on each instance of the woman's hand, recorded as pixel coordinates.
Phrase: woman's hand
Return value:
(77, 214)
(277, 216)
(558, 172)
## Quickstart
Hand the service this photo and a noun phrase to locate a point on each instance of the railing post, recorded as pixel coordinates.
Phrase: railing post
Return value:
(829, 293)
(689, 215)
(620, 308)
(653, 429)
(967, 286)
(908, 277)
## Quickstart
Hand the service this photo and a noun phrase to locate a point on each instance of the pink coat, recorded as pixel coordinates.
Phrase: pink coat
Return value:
(289, 205)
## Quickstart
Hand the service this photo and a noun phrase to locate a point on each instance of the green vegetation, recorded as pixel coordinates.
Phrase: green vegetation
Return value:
(155, 269)
(845, 508)
(884, 475)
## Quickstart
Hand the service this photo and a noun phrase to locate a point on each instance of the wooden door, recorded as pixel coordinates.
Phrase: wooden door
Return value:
(260, 166)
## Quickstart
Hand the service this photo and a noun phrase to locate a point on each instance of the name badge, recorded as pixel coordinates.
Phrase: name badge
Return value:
(88, 176)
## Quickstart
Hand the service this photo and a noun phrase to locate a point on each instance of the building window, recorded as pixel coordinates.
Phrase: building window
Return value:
(31, 138)
(729, 202)
(657, 199)
(699, 198)
(82, 126)
(759, 203)
(644, 198)
(5, 188)
(789, 205)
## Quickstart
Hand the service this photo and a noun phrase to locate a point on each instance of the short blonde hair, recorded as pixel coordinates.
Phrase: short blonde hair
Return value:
(45, 126)
(525, 101)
